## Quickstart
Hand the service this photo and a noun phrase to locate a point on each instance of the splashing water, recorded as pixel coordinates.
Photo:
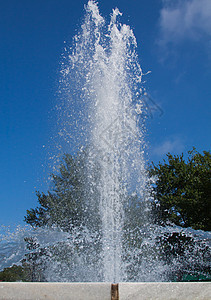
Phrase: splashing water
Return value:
(104, 66)
(101, 114)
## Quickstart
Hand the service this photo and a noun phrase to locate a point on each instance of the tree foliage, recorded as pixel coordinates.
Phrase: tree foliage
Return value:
(64, 205)
(182, 190)
(14, 273)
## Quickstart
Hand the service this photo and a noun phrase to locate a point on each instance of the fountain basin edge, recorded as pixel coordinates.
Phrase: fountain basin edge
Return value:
(103, 291)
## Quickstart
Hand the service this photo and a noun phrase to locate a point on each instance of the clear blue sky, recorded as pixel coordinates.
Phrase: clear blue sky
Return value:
(174, 43)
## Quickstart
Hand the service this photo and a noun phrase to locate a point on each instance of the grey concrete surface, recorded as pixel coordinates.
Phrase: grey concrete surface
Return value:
(165, 291)
(102, 291)
(54, 291)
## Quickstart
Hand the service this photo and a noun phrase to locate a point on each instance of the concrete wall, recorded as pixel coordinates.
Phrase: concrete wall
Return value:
(102, 291)
(165, 291)
(54, 291)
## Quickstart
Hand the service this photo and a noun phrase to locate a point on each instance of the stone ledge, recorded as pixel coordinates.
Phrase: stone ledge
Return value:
(165, 291)
(102, 291)
(54, 291)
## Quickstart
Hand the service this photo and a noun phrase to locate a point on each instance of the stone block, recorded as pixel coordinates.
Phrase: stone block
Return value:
(54, 291)
(165, 291)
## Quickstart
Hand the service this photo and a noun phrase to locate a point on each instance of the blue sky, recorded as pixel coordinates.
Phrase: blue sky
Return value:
(174, 43)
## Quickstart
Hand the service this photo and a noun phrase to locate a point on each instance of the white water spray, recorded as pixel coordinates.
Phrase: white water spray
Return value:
(105, 61)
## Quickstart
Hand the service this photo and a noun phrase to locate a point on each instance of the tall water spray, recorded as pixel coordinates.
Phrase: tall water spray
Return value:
(102, 84)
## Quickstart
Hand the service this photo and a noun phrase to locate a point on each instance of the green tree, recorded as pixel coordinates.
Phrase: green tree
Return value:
(182, 190)
(14, 273)
(35, 261)
(64, 206)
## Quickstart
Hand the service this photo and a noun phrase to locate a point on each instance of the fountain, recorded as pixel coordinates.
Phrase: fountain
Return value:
(101, 123)
(102, 113)
(101, 80)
